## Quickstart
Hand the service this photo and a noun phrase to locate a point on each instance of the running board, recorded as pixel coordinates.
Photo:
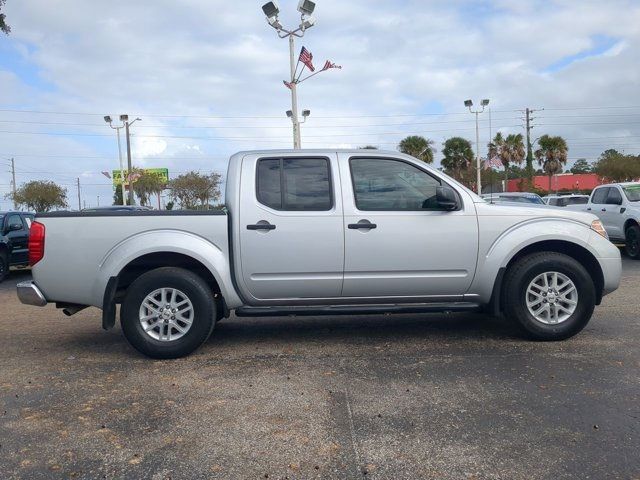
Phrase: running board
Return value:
(313, 310)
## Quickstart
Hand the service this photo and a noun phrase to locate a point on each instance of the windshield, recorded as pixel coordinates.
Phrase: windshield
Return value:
(632, 192)
(520, 199)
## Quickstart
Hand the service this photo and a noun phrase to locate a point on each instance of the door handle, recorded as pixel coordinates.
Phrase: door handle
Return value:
(603, 210)
(261, 226)
(363, 226)
(589, 208)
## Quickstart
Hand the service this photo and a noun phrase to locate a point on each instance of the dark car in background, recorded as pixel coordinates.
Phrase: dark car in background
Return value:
(14, 240)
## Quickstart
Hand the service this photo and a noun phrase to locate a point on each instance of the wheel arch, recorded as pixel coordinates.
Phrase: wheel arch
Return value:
(571, 249)
(629, 223)
(150, 250)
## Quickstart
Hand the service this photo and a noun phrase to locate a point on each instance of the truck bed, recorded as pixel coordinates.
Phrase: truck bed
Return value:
(81, 245)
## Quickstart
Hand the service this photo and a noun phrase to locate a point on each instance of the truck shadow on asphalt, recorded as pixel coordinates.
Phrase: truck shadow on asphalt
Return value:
(321, 335)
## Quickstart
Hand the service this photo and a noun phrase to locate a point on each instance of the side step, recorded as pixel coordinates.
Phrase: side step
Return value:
(313, 310)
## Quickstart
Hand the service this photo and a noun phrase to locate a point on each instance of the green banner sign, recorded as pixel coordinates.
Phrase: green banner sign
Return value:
(117, 175)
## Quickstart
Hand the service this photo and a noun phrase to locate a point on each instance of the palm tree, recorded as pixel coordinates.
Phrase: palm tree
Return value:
(458, 155)
(551, 155)
(510, 150)
(418, 147)
(513, 152)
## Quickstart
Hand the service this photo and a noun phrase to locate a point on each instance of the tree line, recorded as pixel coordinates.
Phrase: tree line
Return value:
(189, 191)
(551, 156)
(194, 190)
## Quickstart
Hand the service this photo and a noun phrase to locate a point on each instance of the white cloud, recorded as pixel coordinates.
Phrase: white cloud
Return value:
(215, 58)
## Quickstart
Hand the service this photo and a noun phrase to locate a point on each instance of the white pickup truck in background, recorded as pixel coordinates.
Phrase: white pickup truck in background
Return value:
(311, 232)
(617, 205)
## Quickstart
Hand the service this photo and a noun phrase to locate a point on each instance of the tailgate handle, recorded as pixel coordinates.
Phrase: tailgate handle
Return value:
(261, 226)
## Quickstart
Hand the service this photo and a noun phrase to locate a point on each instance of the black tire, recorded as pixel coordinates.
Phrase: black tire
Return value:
(4, 266)
(524, 271)
(193, 287)
(632, 242)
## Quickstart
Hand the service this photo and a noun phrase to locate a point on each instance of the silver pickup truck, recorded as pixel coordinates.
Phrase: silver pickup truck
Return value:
(314, 232)
(617, 205)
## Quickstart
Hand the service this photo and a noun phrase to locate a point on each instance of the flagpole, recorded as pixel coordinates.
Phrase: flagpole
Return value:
(309, 76)
(294, 96)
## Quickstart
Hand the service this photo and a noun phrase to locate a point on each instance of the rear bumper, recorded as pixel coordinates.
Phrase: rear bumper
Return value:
(30, 294)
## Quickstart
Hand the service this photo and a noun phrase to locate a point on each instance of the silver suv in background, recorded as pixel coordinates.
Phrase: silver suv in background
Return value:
(617, 205)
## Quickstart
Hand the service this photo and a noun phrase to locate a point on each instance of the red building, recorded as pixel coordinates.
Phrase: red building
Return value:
(562, 181)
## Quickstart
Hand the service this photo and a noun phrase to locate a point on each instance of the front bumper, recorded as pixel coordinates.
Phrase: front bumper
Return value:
(611, 272)
(30, 294)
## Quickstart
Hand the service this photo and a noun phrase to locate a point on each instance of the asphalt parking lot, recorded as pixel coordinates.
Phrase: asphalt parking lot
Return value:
(411, 396)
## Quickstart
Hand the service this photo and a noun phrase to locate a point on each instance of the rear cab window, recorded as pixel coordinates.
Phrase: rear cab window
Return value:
(294, 184)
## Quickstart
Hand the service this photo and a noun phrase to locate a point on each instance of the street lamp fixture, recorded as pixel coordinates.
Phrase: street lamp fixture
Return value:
(124, 118)
(271, 11)
(306, 7)
(469, 104)
(306, 113)
(107, 118)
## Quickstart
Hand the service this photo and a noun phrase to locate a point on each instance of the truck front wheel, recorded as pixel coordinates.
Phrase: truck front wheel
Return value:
(168, 313)
(550, 295)
(632, 244)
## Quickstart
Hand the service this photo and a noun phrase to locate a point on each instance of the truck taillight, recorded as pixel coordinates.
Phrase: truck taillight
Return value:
(36, 243)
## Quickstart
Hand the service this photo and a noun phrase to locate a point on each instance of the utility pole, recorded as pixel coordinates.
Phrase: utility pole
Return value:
(125, 124)
(126, 129)
(529, 166)
(528, 118)
(79, 202)
(469, 104)
(13, 175)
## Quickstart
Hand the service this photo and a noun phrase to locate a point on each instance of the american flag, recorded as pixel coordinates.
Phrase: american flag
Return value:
(306, 57)
(493, 162)
(328, 65)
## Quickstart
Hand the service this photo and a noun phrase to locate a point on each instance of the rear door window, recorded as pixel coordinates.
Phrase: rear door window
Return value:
(614, 197)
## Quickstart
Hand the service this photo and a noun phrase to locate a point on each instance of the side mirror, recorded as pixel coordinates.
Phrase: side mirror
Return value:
(447, 198)
(15, 226)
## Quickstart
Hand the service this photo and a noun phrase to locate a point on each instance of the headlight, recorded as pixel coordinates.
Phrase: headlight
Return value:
(597, 227)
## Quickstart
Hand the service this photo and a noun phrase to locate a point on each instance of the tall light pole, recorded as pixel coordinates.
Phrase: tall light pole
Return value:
(271, 11)
(469, 104)
(125, 124)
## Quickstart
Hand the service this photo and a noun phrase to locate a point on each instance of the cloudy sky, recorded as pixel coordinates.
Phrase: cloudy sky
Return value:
(205, 77)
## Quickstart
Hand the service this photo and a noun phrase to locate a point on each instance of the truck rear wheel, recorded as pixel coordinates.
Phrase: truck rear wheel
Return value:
(168, 313)
(550, 295)
(632, 243)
